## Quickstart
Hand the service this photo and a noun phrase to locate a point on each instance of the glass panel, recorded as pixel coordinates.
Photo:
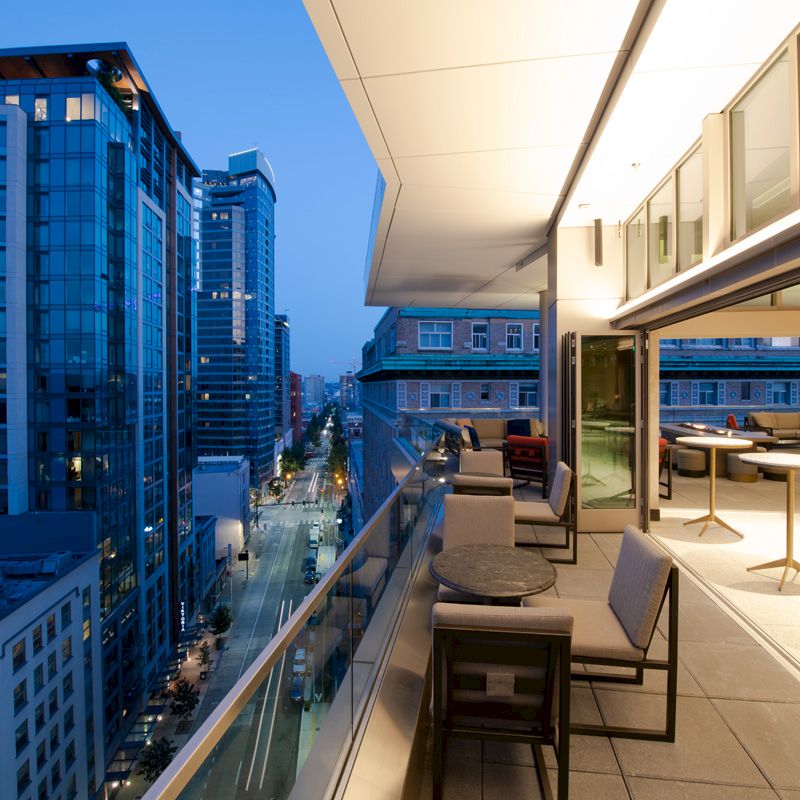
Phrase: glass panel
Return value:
(791, 297)
(608, 419)
(634, 258)
(73, 109)
(660, 218)
(690, 210)
(760, 143)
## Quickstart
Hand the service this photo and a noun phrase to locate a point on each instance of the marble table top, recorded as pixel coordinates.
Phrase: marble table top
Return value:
(493, 570)
(713, 441)
(787, 461)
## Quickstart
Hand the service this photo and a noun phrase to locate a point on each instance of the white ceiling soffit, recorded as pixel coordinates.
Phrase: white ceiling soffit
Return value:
(697, 58)
(475, 112)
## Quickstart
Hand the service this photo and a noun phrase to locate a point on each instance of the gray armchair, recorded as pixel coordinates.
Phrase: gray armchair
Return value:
(557, 511)
(618, 632)
(502, 674)
(489, 480)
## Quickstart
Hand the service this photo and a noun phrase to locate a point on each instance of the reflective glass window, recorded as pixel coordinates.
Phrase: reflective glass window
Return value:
(73, 109)
(40, 109)
(690, 210)
(660, 223)
(760, 143)
(634, 258)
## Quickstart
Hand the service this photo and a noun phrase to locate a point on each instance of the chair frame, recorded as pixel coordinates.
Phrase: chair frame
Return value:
(526, 474)
(670, 666)
(665, 461)
(568, 521)
(444, 637)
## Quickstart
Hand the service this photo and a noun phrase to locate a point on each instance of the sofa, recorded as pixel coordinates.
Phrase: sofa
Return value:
(492, 432)
(783, 424)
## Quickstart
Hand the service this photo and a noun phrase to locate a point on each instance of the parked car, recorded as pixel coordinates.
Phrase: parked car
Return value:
(309, 563)
(298, 688)
(299, 664)
(309, 577)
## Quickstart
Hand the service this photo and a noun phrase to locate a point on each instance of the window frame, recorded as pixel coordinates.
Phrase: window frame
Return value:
(432, 392)
(434, 332)
(521, 327)
(485, 334)
(525, 391)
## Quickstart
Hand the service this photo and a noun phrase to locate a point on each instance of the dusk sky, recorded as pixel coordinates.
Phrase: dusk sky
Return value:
(238, 74)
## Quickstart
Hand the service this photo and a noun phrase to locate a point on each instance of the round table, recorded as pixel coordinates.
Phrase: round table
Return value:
(497, 571)
(712, 443)
(791, 463)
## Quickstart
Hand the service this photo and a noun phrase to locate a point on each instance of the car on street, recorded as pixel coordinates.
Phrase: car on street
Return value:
(298, 688)
(299, 664)
(309, 577)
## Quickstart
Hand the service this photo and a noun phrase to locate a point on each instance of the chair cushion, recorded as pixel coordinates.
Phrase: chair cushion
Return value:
(478, 520)
(596, 631)
(544, 619)
(490, 461)
(488, 441)
(637, 587)
(490, 428)
(479, 484)
(559, 491)
(532, 511)
(518, 427)
(787, 419)
(765, 419)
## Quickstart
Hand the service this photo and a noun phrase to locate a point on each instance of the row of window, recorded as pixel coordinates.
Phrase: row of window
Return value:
(713, 393)
(775, 341)
(439, 336)
(448, 395)
(19, 650)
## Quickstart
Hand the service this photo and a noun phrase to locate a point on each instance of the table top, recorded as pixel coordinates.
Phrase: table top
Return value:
(493, 570)
(713, 441)
(787, 461)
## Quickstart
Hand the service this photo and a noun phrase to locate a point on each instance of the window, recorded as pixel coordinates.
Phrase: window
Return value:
(707, 393)
(480, 336)
(18, 654)
(535, 337)
(66, 650)
(69, 720)
(660, 221)
(742, 342)
(12, 99)
(780, 393)
(66, 615)
(635, 255)
(73, 109)
(72, 788)
(42, 791)
(440, 395)
(513, 336)
(41, 754)
(528, 394)
(21, 737)
(52, 666)
(435, 335)
(40, 109)
(690, 210)
(54, 737)
(744, 392)
(67, 685)
(53, 702)
(486, 391)
(23, 777)
(38, 678)
(760, 161)
(37, 639)
(51, 627)
(20, 695)
(669, 343)
(69, 754)
(664, 393)
(39, 718)
(55, 774)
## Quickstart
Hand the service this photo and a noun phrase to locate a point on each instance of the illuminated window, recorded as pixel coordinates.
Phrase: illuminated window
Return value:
(73, 109)
(513, 336)
(40, 109)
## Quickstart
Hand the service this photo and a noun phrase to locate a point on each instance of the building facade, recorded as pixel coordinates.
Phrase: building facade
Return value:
(235, 393)
(349, 395)
(282, 383)
(98, 257)
(436, 362)
(50, 659)
(296, 405)
(314, 392)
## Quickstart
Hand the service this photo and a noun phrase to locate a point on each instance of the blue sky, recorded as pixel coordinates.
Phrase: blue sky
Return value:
(233, 75)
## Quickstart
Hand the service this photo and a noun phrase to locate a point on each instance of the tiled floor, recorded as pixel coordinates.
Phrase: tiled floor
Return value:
(738, 729)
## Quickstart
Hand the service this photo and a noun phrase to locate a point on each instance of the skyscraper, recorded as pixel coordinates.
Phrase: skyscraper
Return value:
(283, 421)
(348, 389)
(314, 391)
(235, 313)
(97, 259)
(296, 405)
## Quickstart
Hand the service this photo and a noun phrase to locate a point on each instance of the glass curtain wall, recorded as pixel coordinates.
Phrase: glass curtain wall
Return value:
(661, 224)
(690, 210)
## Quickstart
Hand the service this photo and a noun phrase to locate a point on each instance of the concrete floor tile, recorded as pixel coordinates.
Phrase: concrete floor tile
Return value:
(700, 623)
(704, 748)
(463, 770)
(504, 781)
(788, 794)
(518, 753)
(587, 754)
(745, 672)
(650, 789)
(577, 582)
(591, 786)
(770, 733)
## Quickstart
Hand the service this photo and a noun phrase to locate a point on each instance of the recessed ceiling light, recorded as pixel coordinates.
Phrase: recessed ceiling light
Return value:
(584, 205)
(636, 164)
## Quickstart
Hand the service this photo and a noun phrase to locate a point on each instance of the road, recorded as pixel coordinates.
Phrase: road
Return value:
(259, 753)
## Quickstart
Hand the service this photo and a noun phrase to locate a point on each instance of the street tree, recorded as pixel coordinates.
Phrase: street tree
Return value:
(204, 658)
(219, 622)
(185, 697)
(155, 758)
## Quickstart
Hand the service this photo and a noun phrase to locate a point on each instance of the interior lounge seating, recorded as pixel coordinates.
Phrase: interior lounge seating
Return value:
(618, 632)
(558, 511)
(475, 520)
(502, 674)
(482, 472)
(526, 458)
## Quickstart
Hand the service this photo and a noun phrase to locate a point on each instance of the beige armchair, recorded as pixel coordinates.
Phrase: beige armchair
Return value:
(481, 473)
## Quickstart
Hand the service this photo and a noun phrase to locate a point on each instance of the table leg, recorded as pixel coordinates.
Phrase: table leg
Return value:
(788, 562)
(712, 516)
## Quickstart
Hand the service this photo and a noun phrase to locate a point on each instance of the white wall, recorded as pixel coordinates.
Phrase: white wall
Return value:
(219, 493)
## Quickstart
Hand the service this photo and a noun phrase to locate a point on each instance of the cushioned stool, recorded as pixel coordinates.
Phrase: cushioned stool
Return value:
(741, 471)
(691, 463)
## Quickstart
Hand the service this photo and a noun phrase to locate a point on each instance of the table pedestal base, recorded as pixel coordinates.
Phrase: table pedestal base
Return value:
(708, 519)
(787, 563)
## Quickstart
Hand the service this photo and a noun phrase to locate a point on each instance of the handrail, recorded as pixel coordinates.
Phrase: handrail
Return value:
(180, 771)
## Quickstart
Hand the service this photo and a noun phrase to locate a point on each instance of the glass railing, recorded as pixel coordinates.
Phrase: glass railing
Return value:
(286, 727)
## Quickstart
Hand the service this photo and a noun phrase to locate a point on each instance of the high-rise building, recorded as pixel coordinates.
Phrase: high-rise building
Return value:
(314, 391)
(348, 392)
(235, 393)
(282, 388)
(296, 405)
(97, 262)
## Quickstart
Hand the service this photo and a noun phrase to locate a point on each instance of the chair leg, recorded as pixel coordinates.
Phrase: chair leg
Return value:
(438, 762)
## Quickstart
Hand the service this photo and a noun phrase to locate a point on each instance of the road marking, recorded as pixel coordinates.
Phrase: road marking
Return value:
(238, 772)
(274, 711)
(263, 707)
